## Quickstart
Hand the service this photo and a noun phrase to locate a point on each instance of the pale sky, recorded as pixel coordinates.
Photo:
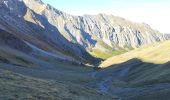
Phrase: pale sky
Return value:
(156, 13)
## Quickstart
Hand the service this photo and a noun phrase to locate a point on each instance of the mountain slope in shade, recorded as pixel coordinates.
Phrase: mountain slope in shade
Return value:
(35, 29)
(98, 34)
(136, 80)
(141, 74)
(21, 87)
(44, 51)
(27, 72)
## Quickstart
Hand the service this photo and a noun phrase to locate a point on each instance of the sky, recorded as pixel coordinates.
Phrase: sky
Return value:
(156, 13)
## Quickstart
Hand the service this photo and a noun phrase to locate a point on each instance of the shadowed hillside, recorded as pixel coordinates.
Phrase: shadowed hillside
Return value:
(141, 74)
(18, 87)
(46, 54)
(136, 80)
(37, 31)
(28, 72)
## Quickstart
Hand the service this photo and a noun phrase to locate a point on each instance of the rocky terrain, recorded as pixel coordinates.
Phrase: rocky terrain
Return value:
(98, 33)
(34, 29)
(167, 35)
(95, 34)
(48, 54)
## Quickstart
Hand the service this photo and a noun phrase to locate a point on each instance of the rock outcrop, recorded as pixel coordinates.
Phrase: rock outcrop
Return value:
(88, 30)
(55, 31)
(33, 27)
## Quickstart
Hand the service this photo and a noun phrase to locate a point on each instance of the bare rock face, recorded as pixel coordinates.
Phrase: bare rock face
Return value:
(18, 19)
(55, 31)
(87, 30)
(167, 36)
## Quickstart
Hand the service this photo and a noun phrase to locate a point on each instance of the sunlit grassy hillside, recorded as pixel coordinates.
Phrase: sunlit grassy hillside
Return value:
(104, 51)
(158, 53)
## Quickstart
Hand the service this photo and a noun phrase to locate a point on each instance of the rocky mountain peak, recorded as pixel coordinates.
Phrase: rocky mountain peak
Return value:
(36, 5)
(90, 32)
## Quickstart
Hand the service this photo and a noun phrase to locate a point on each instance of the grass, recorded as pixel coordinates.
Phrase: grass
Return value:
(15, 86)
(104, 55)
(148, 72)
(12, 56)
(43, 80)
(104, 51)
(158, 53)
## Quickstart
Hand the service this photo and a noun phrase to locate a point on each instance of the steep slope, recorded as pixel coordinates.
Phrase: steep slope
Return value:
(41, 64)
(35, 29)
(136, 80)
(158, 53)
(43, 50)
(97, 33)
(110, 29)
(27, 72)
(141, 74)
(101, 35)
(167, 35)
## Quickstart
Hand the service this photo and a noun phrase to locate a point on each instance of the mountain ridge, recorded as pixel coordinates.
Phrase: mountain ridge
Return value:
(48, 54)
(81, 37)
(32, 31)
(87, 30)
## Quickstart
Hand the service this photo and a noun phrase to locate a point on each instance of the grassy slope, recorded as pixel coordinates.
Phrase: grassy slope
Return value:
(43, 78)
(157, 53)
(15, 86)
(144, 81)
(145, 73)
(104, 51)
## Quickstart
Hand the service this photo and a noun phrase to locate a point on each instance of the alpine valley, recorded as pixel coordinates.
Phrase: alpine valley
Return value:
(47, 54)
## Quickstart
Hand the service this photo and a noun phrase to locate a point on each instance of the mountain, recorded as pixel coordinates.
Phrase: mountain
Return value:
(100, 35)
(31, 68)
(141, 74)
(157, 53)
(37, 62)
(46, 54)
(167, 35)
(35, 30)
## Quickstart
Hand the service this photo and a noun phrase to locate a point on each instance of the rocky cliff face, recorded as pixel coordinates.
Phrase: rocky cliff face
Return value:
(54, 31)
(112, 30)
(167, 36)
(88, 30)
(18, 19)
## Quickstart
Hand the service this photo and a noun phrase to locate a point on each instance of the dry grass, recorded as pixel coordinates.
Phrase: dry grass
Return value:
(15, 86)
(104, 51)
(147, 74)
(42, 79)
(158, 53)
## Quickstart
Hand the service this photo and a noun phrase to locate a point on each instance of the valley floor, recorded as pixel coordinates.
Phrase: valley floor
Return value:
(53, 83)
(20, 83)
(50, 79)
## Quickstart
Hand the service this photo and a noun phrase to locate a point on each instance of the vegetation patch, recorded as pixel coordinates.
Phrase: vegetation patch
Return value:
(106, 51)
